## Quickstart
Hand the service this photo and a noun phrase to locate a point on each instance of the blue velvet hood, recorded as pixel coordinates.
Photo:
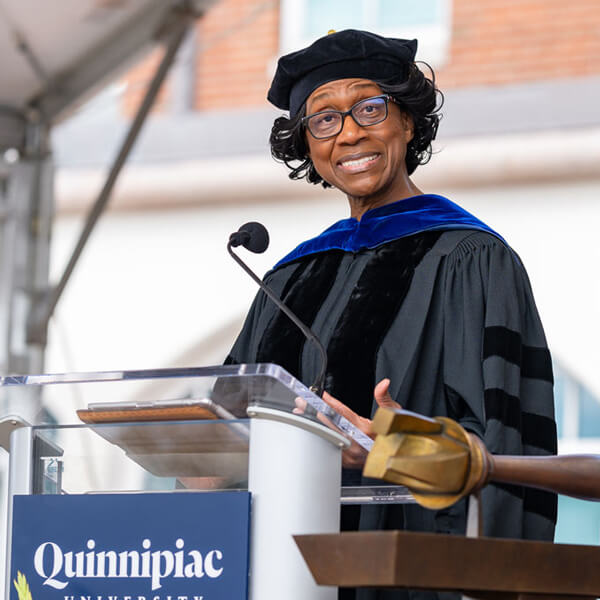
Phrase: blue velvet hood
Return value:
(390, 222)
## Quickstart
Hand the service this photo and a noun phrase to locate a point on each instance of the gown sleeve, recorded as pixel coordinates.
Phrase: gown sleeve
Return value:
(227, 391)
(245, 346)
(497, 375)
(241, 350)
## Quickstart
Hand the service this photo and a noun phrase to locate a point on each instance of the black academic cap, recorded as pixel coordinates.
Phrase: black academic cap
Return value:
(348, 53)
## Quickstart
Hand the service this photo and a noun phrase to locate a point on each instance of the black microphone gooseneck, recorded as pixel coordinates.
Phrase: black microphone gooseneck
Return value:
(254, 237)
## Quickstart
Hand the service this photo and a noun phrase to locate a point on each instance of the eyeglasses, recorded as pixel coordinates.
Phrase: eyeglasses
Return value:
(365, 113)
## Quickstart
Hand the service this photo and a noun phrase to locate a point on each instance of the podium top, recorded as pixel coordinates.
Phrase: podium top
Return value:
(232, 390)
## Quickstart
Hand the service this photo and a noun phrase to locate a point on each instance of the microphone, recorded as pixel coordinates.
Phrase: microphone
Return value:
(255, 237)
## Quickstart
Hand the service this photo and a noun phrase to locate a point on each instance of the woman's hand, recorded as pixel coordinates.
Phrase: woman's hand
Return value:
(354, 457)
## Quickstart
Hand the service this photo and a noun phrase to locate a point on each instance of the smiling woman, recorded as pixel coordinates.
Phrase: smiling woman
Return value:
(415, 96)
(365, 160)
(418, 303)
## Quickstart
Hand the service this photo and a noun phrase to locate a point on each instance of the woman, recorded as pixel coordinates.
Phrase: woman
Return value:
(412, 296)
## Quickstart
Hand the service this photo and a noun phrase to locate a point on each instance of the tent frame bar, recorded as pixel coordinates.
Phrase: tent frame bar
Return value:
(38, 324)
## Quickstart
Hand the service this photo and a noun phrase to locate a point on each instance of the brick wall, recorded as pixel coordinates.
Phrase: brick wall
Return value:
(238, 42)
(506, 41)
(492, 42)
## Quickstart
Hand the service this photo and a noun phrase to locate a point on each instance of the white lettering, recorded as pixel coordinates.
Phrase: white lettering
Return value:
(194, 568)
(112, 564)
(57, 562)
(124, 562)
(56, 567)
(69, 569)
(209, 566)
(89, 559)
(179, 558)
(79, 562)
(157, 572)
(146, 558)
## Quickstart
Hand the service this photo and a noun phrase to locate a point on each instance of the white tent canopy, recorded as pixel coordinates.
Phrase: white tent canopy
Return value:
(54, 53)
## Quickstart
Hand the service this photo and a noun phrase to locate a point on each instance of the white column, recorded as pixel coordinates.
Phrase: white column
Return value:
(20, 478)
(295, 478)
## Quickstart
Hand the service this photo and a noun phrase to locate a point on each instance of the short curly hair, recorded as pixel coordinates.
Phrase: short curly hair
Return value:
(417, 97)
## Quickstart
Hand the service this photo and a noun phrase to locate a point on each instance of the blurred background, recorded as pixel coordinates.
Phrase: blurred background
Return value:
(519, 146)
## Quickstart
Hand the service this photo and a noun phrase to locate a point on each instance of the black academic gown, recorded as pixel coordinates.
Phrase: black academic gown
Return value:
(449, 318)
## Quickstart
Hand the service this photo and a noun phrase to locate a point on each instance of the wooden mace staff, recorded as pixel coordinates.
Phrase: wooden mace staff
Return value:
(440, 462)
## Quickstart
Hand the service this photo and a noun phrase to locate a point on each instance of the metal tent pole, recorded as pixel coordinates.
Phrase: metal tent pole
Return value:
(37, 330)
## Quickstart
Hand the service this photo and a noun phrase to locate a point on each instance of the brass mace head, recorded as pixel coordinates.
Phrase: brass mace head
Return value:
(435, 458)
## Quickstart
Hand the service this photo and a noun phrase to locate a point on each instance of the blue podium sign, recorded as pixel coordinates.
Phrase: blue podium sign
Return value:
(179, 546)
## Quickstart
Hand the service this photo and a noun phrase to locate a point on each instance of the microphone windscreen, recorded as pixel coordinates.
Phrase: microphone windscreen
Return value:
(258, 237)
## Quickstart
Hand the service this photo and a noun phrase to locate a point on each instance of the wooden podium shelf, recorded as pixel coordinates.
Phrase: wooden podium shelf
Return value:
(482, 567)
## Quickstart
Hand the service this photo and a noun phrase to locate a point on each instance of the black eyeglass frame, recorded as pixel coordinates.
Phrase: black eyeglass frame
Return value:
(344, 114)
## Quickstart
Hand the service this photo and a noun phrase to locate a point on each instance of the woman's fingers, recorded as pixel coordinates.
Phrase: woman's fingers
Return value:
(354, 457)
(301, 405)
(382, 395)
(359, 422)
(340, 408)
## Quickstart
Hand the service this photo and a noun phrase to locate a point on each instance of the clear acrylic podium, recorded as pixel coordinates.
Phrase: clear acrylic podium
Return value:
(266, 433)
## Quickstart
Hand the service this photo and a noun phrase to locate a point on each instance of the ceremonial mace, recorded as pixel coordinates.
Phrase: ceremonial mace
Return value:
(440, 462)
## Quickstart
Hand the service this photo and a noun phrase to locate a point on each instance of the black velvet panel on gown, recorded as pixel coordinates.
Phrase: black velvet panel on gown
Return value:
(352, 349)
